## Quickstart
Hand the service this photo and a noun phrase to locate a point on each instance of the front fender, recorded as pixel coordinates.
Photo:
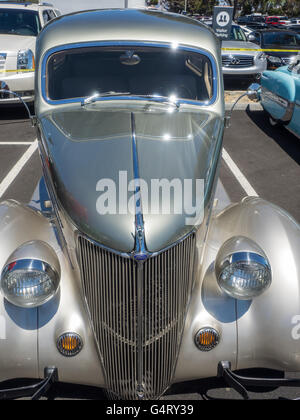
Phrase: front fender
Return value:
(265, 325)
(256, 333)
(18, 326)
(28, 336)
(278, 95)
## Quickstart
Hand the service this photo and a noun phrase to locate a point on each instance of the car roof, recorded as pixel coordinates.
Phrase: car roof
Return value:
(137, 25)
(273, 30)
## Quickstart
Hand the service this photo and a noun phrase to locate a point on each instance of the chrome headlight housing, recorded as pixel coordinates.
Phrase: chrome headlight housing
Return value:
(25, 60)
(261, 56)
(242, 269)
(31, 275)
(274, 60)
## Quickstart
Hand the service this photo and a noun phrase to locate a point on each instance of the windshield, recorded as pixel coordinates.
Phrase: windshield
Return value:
(282, 39)
(145, 71)
(19, 22)
(237, 34)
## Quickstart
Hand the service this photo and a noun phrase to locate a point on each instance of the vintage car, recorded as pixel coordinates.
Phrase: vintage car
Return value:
(108, 285)
(279, 94)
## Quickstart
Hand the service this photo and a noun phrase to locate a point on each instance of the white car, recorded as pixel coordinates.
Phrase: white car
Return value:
(20, 24)
(295, 21)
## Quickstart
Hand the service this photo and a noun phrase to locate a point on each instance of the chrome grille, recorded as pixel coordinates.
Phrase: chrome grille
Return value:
(138, 312)
(237, 61)
(2, 61)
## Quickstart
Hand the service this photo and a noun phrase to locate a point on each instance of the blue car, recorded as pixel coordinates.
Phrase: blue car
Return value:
(280, 96)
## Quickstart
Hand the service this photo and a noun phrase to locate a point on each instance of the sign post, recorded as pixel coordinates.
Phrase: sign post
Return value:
(222, 21)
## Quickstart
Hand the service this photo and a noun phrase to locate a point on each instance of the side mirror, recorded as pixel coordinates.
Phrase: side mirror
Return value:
(251, 38)
(252, 91)
(5, 92)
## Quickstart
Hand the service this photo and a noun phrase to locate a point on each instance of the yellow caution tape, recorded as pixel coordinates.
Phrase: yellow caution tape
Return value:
(16, 71)
(258, 49)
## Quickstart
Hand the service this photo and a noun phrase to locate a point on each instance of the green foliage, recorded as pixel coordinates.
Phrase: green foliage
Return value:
(242, 7)
(194, 6)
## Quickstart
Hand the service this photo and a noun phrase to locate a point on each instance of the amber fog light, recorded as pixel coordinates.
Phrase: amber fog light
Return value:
(207, 339)
(69, 344)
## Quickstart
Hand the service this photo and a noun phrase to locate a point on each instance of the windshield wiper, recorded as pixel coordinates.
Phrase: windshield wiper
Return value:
(166, 100)
(153, 98)
(93, 98)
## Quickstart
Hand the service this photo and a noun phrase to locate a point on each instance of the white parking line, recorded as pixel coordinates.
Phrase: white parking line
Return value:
(13, 173)
(15, 143)
(247, 187)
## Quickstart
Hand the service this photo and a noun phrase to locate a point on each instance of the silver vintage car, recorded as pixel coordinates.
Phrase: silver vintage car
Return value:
(128, 271)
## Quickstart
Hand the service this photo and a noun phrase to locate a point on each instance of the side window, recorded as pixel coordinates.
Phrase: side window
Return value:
(51, 14)
(46, 16)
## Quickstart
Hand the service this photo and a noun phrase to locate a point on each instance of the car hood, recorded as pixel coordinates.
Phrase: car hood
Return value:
(241, 45)
(94, 162)
(14, 43)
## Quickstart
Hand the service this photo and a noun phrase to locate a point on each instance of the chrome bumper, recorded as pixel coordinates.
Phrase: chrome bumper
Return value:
(240, 383)
(22, 84)
(34, 391)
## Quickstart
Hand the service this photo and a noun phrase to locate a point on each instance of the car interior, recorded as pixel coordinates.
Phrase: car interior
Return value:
(84, 72)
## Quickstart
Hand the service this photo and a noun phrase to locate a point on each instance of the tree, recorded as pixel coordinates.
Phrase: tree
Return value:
(242, 7)
(193, 6)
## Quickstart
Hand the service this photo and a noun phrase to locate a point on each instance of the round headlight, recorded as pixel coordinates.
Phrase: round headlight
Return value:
(274, 60)
(242, 274)
(30, 282)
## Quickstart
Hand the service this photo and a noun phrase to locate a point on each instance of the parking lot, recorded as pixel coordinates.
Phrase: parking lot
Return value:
(258, 159)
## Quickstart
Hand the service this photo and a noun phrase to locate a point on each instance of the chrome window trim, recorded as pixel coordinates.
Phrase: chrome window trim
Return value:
(181, 47)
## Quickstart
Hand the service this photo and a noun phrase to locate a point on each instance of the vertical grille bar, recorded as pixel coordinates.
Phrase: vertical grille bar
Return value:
(138, 312)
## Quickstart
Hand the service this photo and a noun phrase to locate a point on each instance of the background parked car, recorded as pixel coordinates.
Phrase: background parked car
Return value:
(287, 44)
(280, 96)
(274, 20)
(294, 27)
(20, 24)
(249, 19)
(242, 64)
(252, 22)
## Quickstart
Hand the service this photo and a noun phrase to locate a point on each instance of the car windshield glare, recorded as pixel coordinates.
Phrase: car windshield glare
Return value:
(141, 71)
(19, 22)
(282, 39)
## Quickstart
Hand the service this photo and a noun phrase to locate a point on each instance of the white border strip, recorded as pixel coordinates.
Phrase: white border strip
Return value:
(13, 173)
(238, 175)
(16, 143)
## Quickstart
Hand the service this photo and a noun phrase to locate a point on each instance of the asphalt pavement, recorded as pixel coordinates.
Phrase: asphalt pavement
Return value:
(257, 158)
